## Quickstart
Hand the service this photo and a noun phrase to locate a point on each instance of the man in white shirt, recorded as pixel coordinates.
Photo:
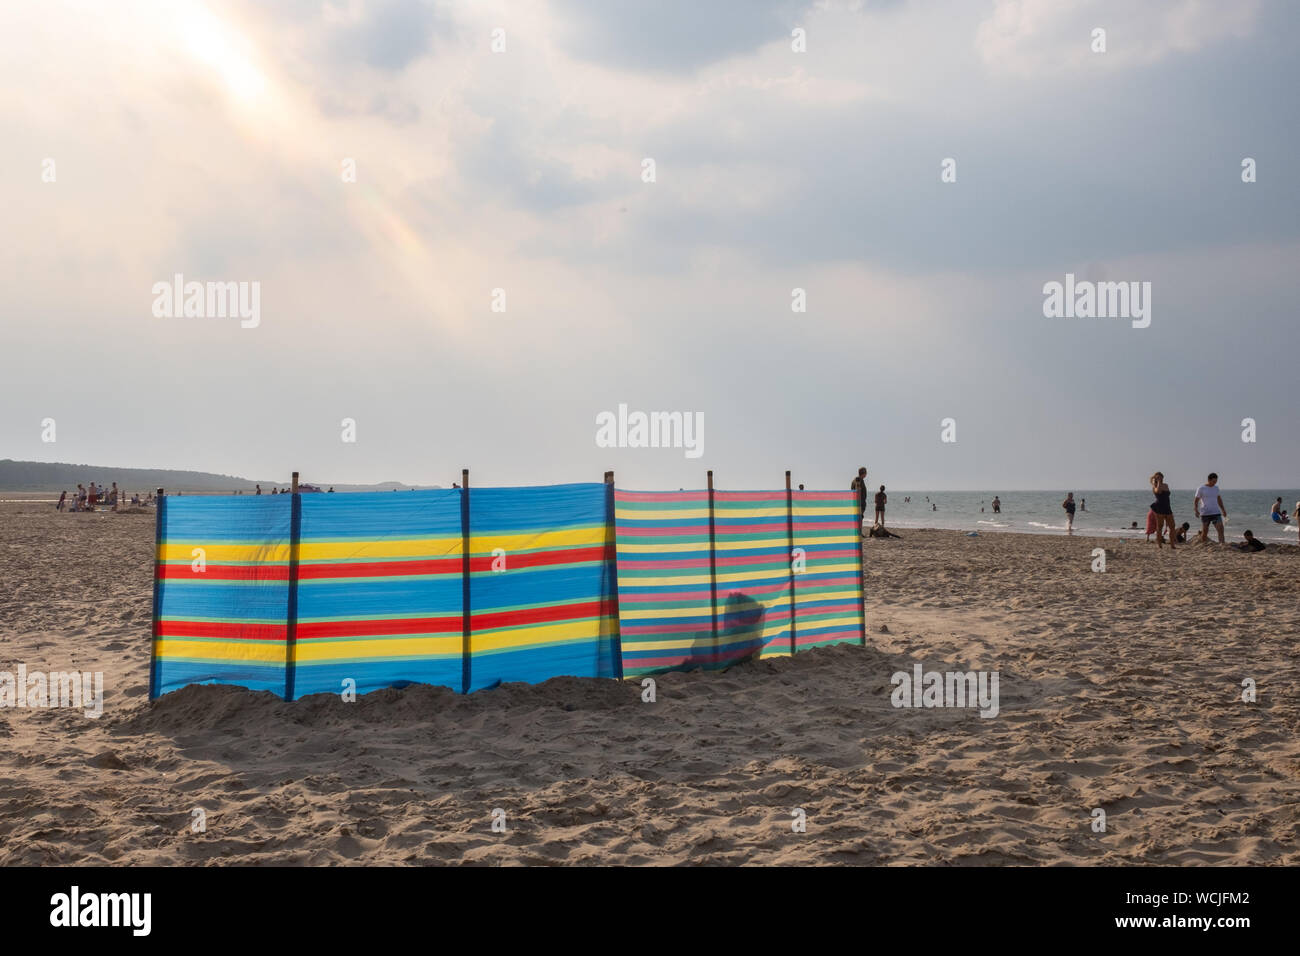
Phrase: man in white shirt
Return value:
(1208, 506)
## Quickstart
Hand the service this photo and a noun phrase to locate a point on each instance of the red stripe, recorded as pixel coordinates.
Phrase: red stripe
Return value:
(377, 569)
(539, 559)
(225, 572)
(448, 624)
(543, 615)
(226, 630)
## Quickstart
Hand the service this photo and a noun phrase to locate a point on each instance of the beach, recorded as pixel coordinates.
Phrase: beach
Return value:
(1119, 690)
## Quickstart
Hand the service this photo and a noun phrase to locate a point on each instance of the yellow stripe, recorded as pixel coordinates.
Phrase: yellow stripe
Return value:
(848, 622)
(541, 540)
(685, 514)
(224, 553)
(833, 596)
(703, 545)
(334, 551)
(269, 652)
(544, 633)
(447, 645)
(695, 578)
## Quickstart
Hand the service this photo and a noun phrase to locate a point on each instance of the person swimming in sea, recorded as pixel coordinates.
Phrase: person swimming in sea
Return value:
(1277, 514)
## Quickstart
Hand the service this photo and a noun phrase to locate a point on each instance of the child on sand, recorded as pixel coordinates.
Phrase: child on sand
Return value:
(1249, 543)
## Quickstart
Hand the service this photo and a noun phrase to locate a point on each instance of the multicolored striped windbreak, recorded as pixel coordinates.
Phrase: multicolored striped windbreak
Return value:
(318, 593)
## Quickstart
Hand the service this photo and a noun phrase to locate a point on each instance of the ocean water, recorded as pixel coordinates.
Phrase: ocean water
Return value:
(1109, 512)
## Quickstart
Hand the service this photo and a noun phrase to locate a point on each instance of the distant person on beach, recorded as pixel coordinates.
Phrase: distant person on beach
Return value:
(934, 507)
(258, 491)
(1163, 511)
(881, 498)
(1249, 542)
(1183, 528)
(1208, 506)
(859, 488)
(801, 487)
(1133, 526)
(997, 505)
(1068, 505)
(1083, 504)
(63, 500)
(331, 491)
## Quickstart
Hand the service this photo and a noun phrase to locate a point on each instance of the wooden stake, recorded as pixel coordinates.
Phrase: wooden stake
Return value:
(466, 651)
(713, 568)
(789, 555)
(611, 562)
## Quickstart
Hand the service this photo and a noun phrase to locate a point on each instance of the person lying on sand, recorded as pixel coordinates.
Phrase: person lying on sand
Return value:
(879, 531)
(1249, 543)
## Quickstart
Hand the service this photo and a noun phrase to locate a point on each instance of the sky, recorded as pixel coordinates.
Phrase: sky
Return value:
(447, 214)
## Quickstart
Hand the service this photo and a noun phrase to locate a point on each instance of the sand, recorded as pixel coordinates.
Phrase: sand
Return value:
(1118, 690)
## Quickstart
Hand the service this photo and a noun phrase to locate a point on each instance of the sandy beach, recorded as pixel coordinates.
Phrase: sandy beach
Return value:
(1118, 690)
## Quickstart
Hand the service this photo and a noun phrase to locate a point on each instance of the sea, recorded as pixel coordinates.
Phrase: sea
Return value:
(1107, 514)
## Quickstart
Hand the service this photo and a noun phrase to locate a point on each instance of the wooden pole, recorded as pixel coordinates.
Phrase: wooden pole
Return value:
(291, 625)
(611, 561)
(158, 528)
(713, 568)
(466, 670)
(862, 570)
(789, 555)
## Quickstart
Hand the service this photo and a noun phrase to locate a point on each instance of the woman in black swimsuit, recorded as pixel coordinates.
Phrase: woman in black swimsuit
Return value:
(1163, 512)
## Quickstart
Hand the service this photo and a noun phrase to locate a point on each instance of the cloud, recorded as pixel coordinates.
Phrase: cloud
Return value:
(672, 35)
(1033, 37)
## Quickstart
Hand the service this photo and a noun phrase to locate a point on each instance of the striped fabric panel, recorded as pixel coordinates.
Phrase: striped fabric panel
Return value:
(222, 619)
(828, 593)
(543, 603)
(664, 590)
(379, 591)
(753, 561)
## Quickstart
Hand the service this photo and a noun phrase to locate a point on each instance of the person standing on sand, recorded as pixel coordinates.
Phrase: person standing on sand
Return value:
(63, 500)
(1068, 505)
(1163, 511)
(1208, 506)
(881, 498)
(859, 488)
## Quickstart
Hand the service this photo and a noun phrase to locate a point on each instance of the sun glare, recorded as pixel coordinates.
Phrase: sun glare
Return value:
(214, 44)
